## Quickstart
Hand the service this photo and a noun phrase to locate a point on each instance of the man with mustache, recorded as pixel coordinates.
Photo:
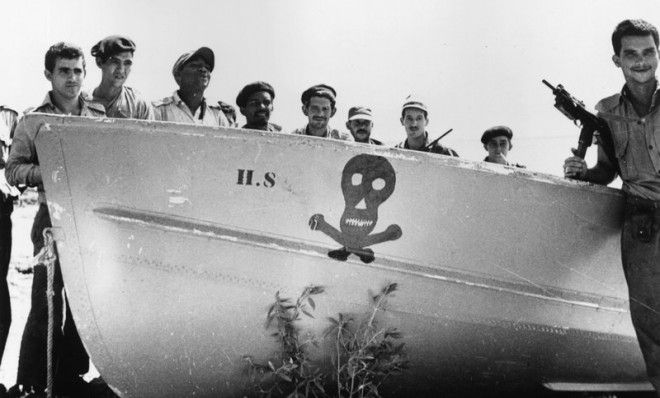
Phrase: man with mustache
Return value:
(414, 118)
(360, 122)
(192, 73)
(633, 116)
(255, 102)
(318, 104)
(114, 56)
(497, 142)
(65, 69)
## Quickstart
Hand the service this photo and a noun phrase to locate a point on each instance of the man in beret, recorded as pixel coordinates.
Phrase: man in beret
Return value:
(256, 103)
(414, 118)
(497, 142)
(192, 73)
(114, 56)
(360, 122)
(318, 104)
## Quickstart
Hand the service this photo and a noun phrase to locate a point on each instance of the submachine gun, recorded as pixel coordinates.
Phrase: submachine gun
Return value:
(574, 109)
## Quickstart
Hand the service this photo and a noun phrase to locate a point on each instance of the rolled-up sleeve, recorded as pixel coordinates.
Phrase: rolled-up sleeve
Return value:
(23, 166)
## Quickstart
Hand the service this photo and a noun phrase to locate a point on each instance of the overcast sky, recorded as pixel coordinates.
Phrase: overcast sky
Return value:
(475, 63)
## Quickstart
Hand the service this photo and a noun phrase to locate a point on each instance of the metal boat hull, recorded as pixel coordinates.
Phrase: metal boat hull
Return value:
(171, 251)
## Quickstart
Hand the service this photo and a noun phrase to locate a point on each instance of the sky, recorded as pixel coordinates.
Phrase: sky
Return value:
(475, 64)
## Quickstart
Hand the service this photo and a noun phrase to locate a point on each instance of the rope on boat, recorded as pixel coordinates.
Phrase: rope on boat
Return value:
(48, 257)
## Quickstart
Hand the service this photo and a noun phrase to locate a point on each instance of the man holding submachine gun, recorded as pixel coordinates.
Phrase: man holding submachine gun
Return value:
(629, 133)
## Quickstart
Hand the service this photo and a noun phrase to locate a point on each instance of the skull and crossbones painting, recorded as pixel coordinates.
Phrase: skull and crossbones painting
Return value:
(366, 182)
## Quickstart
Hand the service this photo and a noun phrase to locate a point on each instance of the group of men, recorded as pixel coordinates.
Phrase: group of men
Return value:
(633, 116)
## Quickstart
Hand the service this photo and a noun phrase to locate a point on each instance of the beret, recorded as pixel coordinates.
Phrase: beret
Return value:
(204, 53)
(112, 45)
(247, 91)
(496, 131)
(359, 112)
(320, 90)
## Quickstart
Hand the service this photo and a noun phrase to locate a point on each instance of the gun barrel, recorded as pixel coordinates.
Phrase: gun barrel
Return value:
(548, 84)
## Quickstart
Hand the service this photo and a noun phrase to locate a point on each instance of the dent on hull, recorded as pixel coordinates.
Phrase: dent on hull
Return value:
(173, 240)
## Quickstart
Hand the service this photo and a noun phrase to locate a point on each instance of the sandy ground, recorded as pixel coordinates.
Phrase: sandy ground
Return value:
(20, 285)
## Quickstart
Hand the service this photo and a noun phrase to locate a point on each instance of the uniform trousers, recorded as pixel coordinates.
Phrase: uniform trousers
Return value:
(69, 355)
(6, 208)
(640, 253)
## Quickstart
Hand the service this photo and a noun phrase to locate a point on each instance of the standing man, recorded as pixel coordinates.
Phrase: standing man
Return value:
(633, 116)
(360, 122)
(192, 73)
(256, 103)
(497, 142)
(114, 56)
(318, 104)
(8, 118)
(65, 69)
(414, 117)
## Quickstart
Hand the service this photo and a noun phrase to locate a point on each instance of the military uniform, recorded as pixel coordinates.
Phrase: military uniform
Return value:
(129, 104)
(636, 147)
(270, 127)
(329, 133)
(487, 159)
(435, 148)
(69, 357)
(8, 118)
(173, 109)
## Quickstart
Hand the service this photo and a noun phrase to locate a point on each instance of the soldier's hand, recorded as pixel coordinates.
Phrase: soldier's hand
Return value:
(575, 167)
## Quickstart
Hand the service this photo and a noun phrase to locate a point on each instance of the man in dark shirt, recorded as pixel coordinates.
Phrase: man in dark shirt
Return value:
(414, 117)
(255, 102)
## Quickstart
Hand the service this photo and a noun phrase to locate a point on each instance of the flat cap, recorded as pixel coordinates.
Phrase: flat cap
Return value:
(359, 112)
(112, 45)
(204, 53)
(247, 91)
(496, 131)
(415, 103)
(320, 90)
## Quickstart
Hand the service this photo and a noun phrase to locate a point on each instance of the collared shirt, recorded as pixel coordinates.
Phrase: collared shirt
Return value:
(129, 104)
(636, 143)
(173, 109)
(329, 133)
(487, 159)
(270, 127)
(435, 148)
(23, 165)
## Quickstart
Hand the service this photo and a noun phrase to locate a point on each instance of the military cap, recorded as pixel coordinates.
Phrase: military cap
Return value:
(496, 131)
(320, 90)
(412, 102)
(204, 53)
(359, 112)
(247, 91)
(112, 45)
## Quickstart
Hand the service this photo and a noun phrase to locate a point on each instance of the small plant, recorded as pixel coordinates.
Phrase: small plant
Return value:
(295, 375)
(365, 356)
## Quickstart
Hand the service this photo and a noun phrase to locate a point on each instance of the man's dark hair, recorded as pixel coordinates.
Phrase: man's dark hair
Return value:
(632, 27)
(62, 50)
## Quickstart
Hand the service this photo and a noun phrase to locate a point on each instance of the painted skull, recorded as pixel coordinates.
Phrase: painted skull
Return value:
(367, 181)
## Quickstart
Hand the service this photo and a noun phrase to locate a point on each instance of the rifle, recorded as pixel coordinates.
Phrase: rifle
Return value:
(429, 146)
(574, 109)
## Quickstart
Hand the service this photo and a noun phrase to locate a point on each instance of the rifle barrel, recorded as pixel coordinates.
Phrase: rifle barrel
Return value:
(548, 84)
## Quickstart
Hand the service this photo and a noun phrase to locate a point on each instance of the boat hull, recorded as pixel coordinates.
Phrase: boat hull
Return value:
(173, 240)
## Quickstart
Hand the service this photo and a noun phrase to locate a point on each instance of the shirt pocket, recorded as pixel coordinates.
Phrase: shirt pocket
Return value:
(623, 151)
